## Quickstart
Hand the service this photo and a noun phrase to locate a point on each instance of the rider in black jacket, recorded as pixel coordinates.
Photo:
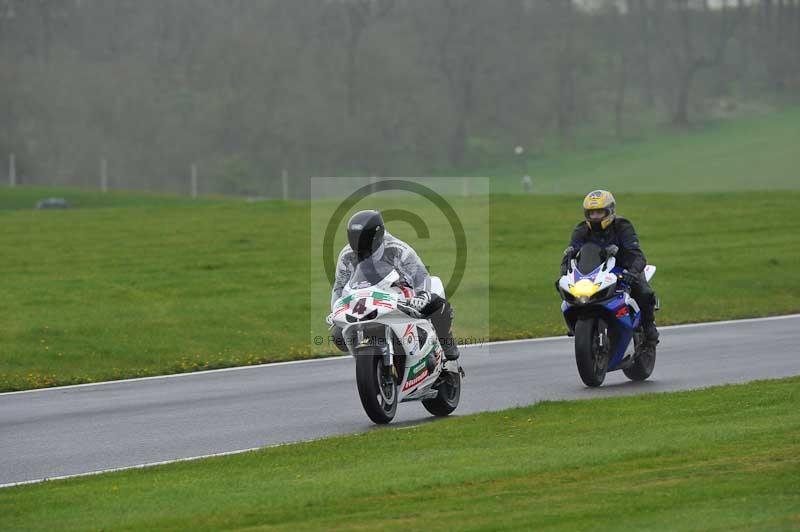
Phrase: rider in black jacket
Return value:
(603, 227)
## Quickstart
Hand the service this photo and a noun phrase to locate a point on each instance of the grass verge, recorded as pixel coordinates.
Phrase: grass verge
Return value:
(747, 153)
(108, 293)
(714, 459)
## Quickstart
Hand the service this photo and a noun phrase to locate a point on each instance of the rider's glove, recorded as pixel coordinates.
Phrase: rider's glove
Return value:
(629, 277)
(569, 254)
(611, 251)
(420, 300)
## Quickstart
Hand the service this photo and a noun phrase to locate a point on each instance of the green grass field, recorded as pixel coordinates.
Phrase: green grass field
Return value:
(716, 459)
(132, 284)
(26, 198)
(95, 294)
(755, 152)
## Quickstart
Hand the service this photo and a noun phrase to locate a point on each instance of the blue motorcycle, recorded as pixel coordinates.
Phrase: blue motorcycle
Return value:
(604, 319)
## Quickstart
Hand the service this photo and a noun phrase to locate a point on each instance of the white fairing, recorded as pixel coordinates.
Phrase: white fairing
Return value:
(437, 287)
(418, 377)
(604, 277)
(649, 272)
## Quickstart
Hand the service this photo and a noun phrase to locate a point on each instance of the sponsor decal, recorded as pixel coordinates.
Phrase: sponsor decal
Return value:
(414, 370)
(415, 380)
(623, 311)
(408, 334)
(382, 299)
(345, 301)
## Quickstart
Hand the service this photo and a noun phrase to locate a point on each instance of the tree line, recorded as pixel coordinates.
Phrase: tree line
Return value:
(247, 90)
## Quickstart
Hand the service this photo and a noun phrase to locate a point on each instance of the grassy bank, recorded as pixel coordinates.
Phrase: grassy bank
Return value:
(721, 458)
(755, 152)
(131, 284)
(93, 294)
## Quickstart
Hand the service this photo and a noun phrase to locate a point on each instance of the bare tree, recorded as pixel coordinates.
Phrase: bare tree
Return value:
(695, 51)
(360, 13)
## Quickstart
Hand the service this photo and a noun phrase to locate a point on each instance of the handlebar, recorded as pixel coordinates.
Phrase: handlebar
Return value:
(626, 287)
(414, 313)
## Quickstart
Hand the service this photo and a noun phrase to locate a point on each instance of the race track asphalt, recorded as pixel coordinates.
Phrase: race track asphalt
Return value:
(87, 428)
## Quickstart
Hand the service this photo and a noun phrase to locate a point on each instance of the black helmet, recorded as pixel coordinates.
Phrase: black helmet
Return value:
(365, 233)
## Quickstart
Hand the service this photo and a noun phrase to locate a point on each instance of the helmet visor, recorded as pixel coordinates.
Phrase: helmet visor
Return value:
(365, 241)
(596, 215)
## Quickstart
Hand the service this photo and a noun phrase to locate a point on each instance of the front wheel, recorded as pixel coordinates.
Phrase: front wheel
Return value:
(376, 386)
(449, 394)
(643, 365)
(591, 360)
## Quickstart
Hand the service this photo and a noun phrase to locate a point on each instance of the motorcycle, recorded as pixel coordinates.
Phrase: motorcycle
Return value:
(398, 355)
(604, 319)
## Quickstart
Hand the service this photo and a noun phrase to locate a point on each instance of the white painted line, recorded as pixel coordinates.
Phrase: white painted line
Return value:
(732, 322)
(174, 375)
(150, 464)
(666, 327)
(347, 357)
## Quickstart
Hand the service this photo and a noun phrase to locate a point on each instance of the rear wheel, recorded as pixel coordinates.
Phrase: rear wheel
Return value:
(642, 365)
(449, 394)
(591, 360)
(376, 385)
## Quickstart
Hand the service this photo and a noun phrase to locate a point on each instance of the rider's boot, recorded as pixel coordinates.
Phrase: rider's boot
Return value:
(442, 320)
(649, 326)
(451, 351)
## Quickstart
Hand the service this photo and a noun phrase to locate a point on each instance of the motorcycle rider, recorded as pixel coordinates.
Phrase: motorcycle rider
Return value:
(368, 239)
(603, 227)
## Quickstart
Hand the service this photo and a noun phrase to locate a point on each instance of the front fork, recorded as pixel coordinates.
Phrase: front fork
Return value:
(603, 341)
(388, 351)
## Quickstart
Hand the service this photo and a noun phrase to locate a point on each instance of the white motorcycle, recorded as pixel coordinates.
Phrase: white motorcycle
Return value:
(398, 355)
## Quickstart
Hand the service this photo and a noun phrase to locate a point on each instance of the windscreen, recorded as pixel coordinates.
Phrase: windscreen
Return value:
(589, 258)
(369, 273)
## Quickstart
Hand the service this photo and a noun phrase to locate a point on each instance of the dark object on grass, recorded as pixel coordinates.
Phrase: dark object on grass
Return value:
(53, 203)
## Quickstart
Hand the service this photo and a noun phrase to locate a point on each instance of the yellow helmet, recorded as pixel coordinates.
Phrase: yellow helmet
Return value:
(599, 200)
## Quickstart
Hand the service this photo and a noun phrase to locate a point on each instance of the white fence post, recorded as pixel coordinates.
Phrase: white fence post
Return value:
(527, 184)
(193, 169)
(285, 183)
(12, 170)
(104, 175)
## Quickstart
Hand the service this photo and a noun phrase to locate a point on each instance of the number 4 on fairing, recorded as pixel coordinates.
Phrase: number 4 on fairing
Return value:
(361, 306)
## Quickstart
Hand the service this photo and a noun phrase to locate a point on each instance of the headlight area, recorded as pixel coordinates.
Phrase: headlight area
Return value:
(371, 316)
(566, 296)
(584, 299)
(605, 293)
